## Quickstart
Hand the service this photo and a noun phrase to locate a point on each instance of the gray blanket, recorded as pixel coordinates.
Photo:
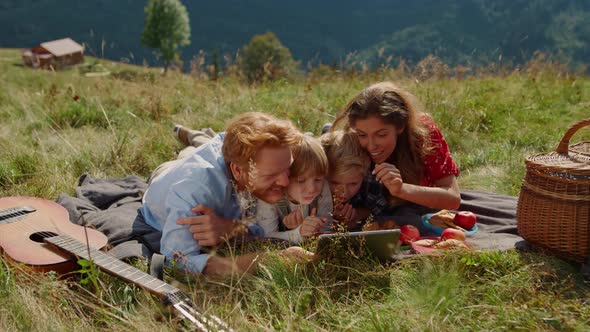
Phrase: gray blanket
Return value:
(110, 205)
(496, 219)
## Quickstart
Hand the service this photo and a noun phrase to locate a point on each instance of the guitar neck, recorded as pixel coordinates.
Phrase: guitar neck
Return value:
(113, 266)
(180, 301)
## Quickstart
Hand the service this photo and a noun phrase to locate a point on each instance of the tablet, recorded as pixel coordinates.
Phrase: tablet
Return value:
(383, 244)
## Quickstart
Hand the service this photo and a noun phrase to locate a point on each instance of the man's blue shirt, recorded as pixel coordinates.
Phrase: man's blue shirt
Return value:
(201, 178)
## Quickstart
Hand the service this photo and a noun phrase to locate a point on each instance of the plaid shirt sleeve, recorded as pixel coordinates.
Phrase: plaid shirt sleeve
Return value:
(371, 195)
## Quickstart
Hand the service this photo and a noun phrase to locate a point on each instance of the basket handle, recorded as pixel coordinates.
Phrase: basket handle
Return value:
(563, 146)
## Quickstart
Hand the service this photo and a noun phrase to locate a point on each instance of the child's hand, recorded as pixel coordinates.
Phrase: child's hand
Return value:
(293, 219)
(390, 177)
(345, 213)
(312, 225)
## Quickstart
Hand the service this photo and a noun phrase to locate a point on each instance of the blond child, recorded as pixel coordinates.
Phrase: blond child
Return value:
(307, 206)
(349, 163)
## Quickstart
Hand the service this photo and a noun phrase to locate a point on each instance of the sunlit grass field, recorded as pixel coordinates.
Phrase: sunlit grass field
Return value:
(55, 126)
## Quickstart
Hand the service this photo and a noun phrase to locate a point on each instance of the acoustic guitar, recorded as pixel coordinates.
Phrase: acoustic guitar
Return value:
(37, 232)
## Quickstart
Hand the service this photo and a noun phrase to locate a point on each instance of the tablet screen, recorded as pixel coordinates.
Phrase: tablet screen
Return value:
(383, 244)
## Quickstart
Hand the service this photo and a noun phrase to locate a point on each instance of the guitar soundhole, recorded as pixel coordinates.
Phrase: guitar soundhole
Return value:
(39, 236)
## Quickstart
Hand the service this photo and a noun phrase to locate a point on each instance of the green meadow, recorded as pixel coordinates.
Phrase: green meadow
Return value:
(56, 126)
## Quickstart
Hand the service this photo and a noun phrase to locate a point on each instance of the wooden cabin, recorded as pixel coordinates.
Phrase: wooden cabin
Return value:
(54, 54)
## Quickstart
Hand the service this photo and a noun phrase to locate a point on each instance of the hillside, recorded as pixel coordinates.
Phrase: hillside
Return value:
(466, 32)
(39, 107)
(56, 126)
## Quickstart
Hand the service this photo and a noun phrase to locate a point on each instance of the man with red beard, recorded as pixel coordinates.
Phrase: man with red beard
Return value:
(205, 198)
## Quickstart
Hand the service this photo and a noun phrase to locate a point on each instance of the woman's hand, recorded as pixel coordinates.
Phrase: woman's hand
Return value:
(293, 219)
(390, 177)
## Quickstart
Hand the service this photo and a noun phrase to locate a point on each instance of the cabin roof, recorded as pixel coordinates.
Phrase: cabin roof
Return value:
(62, 47)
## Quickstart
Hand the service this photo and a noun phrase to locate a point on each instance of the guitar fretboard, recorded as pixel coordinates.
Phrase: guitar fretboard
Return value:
(14, 214)
(171, 294)
(113, 265)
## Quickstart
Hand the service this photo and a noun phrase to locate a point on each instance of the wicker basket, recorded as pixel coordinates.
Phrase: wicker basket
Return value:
(553, 211)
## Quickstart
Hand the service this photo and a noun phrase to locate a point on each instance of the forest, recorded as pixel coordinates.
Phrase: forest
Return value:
(375, 32)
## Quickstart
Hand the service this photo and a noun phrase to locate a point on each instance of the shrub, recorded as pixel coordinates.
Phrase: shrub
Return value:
(265, 58)
(76, 115)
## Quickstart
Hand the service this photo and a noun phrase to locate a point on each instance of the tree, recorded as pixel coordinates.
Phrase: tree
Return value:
(166, 27)
(265, 57)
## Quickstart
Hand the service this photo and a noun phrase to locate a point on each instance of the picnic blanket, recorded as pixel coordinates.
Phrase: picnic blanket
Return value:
(496, 219)
(110, 206)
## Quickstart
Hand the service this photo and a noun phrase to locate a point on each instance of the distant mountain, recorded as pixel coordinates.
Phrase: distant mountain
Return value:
(458, 31)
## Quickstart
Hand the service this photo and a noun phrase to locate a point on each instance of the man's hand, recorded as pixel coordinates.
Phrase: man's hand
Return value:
(312, 224)
(208, 229)
(225, 266)
(293, 219)
(390, 177)
(297, 254)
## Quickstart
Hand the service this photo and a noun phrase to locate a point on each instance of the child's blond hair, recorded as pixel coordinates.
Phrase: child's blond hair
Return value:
(309, 158)
(344, 152)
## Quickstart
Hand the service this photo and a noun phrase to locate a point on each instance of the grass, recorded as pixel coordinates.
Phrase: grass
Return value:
(55, 126)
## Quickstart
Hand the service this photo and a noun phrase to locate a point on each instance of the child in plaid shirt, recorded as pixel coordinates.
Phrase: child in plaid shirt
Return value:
(348, 165)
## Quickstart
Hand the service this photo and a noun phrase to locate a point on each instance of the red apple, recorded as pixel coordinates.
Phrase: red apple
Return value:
(409, 233)
(451, 233)
(465, 219)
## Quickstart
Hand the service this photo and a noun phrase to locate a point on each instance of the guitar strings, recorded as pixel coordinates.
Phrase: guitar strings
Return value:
(20, 223)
